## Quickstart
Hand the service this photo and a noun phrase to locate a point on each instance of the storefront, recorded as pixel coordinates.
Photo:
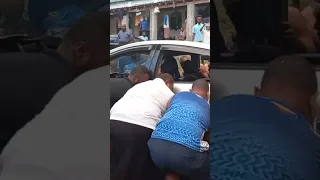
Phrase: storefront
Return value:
(165, 19)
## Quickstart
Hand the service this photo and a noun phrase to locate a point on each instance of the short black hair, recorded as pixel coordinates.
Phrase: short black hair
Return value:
(166, 77)
(93, 27)
(140, 70)
(201, 84)
(290, 73)
(198, 16)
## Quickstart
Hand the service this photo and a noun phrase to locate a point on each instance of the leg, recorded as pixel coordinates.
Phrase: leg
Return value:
(129, 152)
(197, 165)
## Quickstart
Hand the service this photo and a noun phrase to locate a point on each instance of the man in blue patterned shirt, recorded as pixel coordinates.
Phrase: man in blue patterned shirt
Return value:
(268, 136)
(176, 145)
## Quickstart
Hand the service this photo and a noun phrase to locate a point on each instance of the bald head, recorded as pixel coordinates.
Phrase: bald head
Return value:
(292, 80)
(139, 74)
(168, 79)
(123, 27)
(201, 87)
(290, 74)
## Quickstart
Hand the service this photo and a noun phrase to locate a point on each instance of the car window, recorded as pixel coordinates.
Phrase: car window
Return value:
(125, 62)
(183, 66)
(245, 42)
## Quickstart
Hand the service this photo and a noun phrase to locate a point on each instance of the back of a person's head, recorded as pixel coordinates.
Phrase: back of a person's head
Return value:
(139, 74)
(85, 45)
(140, 70)
(200, 84)
(293, 81)
(92, 28)
(166, 77)
(290, 75)
(170, 66)
(201, 87)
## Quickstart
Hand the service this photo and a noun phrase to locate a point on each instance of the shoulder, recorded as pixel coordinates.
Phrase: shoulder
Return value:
(120, 83)
(42, 67)
(78, 107)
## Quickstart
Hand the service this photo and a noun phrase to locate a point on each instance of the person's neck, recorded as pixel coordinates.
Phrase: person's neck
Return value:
(296, 105)
(199, 93)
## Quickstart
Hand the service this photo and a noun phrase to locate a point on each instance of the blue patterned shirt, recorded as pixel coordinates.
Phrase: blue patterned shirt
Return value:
(186, 121)
(252, 139)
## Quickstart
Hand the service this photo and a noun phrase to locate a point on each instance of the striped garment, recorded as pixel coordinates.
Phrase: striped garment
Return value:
(252, 139)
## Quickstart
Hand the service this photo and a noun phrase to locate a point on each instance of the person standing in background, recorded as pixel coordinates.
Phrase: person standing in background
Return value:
(144, 26)
(196, 30)
(144, 36)
(206, 33)
(160, 32)
(124, 35)
(182, 35)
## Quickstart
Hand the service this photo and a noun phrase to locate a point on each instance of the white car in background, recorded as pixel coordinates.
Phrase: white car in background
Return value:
(151, 54)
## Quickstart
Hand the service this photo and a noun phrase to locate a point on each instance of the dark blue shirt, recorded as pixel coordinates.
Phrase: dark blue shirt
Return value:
(186, 120)
(252, 139)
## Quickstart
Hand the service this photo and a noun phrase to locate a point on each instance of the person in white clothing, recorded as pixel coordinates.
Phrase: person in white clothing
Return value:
(132, 121)
(69, 139)
(206, 33)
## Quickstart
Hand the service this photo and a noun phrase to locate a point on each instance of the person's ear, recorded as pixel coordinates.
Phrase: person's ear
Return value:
(135, 79)
(82, 55)
(313, 101)
(314, 106)
(256, 91)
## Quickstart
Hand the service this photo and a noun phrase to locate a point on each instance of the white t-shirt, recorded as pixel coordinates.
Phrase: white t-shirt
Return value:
(144, 104)
(206, 36)
(69, 139)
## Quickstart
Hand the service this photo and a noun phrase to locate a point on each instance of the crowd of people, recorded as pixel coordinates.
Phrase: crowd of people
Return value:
(200, 33)
(156, 134)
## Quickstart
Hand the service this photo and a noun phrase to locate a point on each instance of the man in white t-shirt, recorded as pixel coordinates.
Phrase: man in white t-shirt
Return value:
(206, 33)
(69, 139)
(132, 121)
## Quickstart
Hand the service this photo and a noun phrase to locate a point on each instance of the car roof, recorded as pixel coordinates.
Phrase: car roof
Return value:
(166, 42)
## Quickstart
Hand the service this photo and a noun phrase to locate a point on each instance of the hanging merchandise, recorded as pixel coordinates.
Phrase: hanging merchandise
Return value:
(156, 10)
(166, 27)
(125, 20)
(166, 21)
(137, 20)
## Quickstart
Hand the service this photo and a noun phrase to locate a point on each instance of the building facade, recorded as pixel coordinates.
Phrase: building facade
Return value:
(173, 14)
